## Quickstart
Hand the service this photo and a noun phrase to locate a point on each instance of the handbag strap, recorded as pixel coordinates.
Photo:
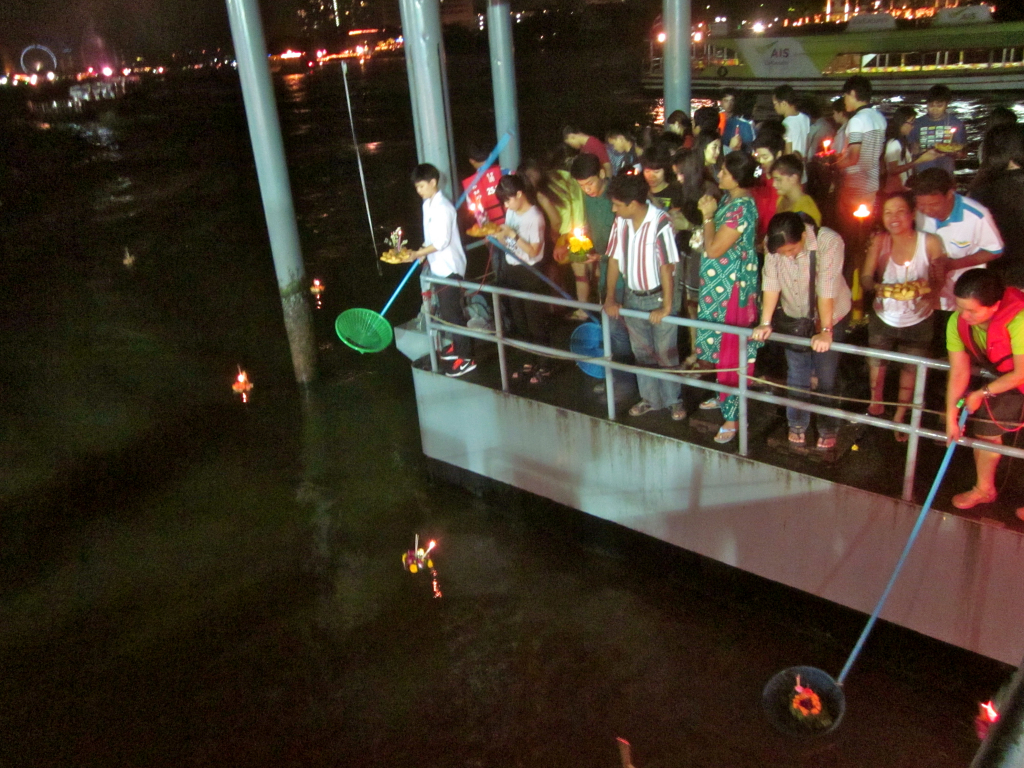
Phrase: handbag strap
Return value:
(812, 308)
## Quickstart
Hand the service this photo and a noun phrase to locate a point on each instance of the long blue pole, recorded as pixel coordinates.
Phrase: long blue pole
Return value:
(275, 188)
(925, 509)
(483, 168)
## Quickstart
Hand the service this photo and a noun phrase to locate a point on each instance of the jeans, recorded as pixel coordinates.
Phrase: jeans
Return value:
(802, 364)
(655, 346)
(449, 309)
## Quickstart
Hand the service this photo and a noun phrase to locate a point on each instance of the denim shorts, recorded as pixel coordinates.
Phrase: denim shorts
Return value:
(912, 340)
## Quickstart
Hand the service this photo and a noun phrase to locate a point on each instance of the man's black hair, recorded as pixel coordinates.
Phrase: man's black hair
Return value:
(741, 167)
(612, 133)
(567, 129)
(628, 189)
(784, 229)
(1001, 115)
(478, 153)
(982, 285)
(932, 181)
(860, 87)
(729, 92)
(772, 140)
(789, 165)
(706, 118)
(584, 166)
(785, 93)
(940, 93)
(425, 172)
(508, 186)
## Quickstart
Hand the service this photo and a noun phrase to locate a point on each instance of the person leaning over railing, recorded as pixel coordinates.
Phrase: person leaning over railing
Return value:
(794, 252)
(986, 329)
(643, 247)
(729, 283)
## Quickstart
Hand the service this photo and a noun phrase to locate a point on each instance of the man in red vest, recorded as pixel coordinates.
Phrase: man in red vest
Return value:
(986, 330)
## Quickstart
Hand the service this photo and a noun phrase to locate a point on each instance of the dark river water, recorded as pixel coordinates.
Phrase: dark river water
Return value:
(187, 580)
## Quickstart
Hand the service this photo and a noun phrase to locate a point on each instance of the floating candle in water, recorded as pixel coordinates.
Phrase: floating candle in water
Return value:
(241, 385)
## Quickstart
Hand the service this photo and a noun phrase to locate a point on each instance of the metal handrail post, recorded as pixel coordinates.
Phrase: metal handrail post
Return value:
(743, 337)
(910, 470)
(499, 334)
(428, 325)
(609, 374)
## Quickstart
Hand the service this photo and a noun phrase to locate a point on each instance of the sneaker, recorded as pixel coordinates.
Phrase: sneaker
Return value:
(460, 367)
(448, 353)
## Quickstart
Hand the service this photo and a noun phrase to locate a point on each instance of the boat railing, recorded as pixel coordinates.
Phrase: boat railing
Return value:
(743, 391)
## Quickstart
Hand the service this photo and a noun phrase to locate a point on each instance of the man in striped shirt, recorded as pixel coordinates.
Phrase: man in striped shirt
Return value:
(642, 247)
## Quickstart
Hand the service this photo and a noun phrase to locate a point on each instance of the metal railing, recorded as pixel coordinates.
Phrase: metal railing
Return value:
(913, 429)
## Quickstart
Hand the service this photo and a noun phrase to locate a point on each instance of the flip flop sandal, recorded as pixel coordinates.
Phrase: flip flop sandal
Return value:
(826, 443)
(641, 408)
(678, 411)
(710, 404)
(541, 375)
(725, 435)
(797, 438)
(523, 373)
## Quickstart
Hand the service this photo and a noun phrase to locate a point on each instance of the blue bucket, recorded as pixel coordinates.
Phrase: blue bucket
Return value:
(587, 340)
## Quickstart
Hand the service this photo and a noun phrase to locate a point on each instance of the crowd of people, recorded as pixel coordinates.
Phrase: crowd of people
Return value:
(768, 226)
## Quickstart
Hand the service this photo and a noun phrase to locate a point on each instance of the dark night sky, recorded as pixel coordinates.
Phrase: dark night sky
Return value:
(146, 26)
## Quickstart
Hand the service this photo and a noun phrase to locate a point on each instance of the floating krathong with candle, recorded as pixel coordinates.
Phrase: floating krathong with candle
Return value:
(241, 385)
(576, 244)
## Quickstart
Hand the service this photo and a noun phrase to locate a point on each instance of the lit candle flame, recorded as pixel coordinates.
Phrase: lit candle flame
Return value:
(241, 385)
(826, 144)
(862, 211)
(989, 712)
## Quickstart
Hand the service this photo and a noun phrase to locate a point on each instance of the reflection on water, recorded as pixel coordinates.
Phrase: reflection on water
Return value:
(188, 581)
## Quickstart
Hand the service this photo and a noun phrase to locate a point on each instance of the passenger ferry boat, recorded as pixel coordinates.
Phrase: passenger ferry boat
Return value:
(961, 47)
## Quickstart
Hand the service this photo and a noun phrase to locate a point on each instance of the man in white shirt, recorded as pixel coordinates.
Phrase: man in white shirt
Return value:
(968, 231)
(797, 124)
(442, 248)
(859, 165)
(642, 247)
(523, 235)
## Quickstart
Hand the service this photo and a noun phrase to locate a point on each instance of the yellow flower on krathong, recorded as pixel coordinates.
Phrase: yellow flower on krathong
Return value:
(577, 245)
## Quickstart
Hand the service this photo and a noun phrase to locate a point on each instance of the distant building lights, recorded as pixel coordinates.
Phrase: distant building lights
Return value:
(107, 71)
(698, 37)
(3, 80)
(758, 27)
(51, 76)
(126, 71)
(290, 54)
(34, 79)
(662, 37)
(363, 32)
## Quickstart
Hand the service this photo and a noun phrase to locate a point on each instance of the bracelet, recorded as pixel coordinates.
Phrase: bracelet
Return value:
(765, 325)
(826, 330)
(986, 392)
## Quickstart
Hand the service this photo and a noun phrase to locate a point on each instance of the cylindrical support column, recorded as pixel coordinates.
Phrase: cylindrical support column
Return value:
(275, 188)
(428, 87)
(676, 66)
(503, 79)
